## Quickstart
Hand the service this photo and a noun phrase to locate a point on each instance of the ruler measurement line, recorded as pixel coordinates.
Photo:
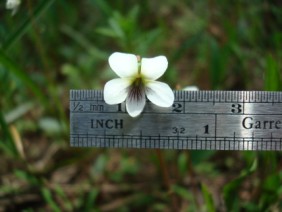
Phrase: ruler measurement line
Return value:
(215, 126)
(161, 138)
(173, 113)
(197, 100)
(210, 96)
(260, 145)
(82, 139)
(243, 105)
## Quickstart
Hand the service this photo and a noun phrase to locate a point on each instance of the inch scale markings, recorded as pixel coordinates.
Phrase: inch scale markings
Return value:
(202, 120)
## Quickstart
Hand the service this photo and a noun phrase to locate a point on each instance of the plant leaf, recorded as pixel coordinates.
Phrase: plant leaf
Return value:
(208, 199)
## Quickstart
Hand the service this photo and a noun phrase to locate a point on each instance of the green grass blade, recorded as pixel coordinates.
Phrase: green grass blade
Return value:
(20, 31)
(18, 72)
(208, 199)
(7, 143)
(272, 78)
(47, 195)
(230, 189)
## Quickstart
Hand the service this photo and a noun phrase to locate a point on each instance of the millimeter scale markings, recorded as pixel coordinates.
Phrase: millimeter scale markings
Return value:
(198, 120)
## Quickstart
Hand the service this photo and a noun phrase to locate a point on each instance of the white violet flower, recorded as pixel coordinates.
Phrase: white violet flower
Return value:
(137, 80)
(13, 5)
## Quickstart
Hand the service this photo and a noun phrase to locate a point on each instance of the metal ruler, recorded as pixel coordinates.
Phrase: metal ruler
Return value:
(199, 120)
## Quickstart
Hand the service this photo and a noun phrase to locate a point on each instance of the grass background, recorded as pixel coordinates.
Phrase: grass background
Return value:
(49, 47)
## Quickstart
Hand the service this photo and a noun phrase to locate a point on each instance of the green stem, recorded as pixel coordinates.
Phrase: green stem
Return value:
(166, 178)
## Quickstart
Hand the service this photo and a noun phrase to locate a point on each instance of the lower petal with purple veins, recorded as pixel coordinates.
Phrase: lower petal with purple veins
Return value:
(135, 101)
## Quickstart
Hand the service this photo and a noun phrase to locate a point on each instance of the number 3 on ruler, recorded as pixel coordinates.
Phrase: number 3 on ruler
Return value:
(236, 108)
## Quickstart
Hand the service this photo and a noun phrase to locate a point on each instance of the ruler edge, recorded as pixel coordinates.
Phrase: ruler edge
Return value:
(183, 95)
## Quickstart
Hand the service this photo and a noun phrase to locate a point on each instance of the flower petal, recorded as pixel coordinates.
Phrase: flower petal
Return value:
(116, 90)
(124, 65)
(153, 68)
(135, 104)
(191, 88)
(159, 93)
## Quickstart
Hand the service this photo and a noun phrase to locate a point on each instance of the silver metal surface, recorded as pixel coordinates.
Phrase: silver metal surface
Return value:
(200, 120)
